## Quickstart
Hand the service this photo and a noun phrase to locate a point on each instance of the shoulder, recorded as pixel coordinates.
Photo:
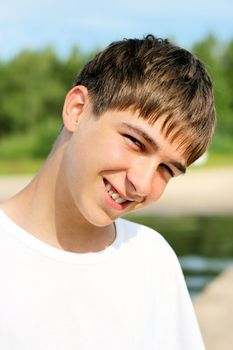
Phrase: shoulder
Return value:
(148, 250)
(142, 233)
(148, 240)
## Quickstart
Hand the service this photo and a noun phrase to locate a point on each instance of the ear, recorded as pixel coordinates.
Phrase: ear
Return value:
(75, 104)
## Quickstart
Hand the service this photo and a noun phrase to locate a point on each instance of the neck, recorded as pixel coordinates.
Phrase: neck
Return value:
(45, 209)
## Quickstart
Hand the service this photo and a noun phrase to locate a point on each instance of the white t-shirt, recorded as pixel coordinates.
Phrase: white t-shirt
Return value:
(130, 296)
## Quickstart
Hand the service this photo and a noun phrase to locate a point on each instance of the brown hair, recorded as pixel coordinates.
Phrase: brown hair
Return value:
(157, 79)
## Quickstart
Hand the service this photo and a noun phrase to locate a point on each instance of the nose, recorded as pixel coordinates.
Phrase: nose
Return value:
(144, 180)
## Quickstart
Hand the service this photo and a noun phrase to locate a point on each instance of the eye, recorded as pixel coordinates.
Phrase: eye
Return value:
(168, 169)
(135, 141)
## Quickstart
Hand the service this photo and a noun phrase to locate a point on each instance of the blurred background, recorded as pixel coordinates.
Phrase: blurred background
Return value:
(44, 45)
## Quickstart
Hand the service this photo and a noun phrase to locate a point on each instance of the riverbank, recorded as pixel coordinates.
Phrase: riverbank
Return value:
(214, 309)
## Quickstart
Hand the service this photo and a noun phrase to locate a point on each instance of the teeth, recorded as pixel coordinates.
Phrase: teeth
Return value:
(120, 200)
(108, 187)
(114, 195)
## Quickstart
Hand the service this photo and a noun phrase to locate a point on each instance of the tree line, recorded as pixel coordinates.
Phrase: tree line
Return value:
(33, 85)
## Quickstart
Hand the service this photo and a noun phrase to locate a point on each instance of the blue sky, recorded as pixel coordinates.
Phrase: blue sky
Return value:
(90, 24)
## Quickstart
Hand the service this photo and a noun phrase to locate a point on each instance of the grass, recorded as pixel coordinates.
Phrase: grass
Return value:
(216, 160)
(20, 166)
(17, 147)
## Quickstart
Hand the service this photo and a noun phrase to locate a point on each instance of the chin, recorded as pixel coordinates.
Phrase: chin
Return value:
(95, 213)
(100, 222)
(98, 219)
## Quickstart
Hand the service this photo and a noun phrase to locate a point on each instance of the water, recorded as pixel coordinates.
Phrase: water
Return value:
(204, 245)
(200, 270)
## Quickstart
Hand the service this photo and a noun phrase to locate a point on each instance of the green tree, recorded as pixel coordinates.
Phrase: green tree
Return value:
(217, 57)
(31, 91)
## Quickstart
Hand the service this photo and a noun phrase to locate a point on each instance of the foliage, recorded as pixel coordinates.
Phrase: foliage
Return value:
(44, 138)
(218, 58)
(32, 88)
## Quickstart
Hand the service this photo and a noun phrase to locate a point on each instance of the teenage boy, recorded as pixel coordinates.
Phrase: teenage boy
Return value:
(74, 275)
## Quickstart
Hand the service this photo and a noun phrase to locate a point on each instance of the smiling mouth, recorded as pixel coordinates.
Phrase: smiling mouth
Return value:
(114, 198)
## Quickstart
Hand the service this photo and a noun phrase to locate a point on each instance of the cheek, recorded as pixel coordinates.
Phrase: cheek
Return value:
(97, 155)
(114, 156)
(156, 192)
(158, 188)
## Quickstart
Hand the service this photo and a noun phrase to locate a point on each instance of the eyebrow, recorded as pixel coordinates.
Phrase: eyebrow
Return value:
(153, 144)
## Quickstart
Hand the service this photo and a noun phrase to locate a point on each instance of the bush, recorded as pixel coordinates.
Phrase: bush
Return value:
(45, 136)
(36, 143)
(17, 146)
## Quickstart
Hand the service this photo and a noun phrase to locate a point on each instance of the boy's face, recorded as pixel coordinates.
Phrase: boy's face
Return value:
(122, 153)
